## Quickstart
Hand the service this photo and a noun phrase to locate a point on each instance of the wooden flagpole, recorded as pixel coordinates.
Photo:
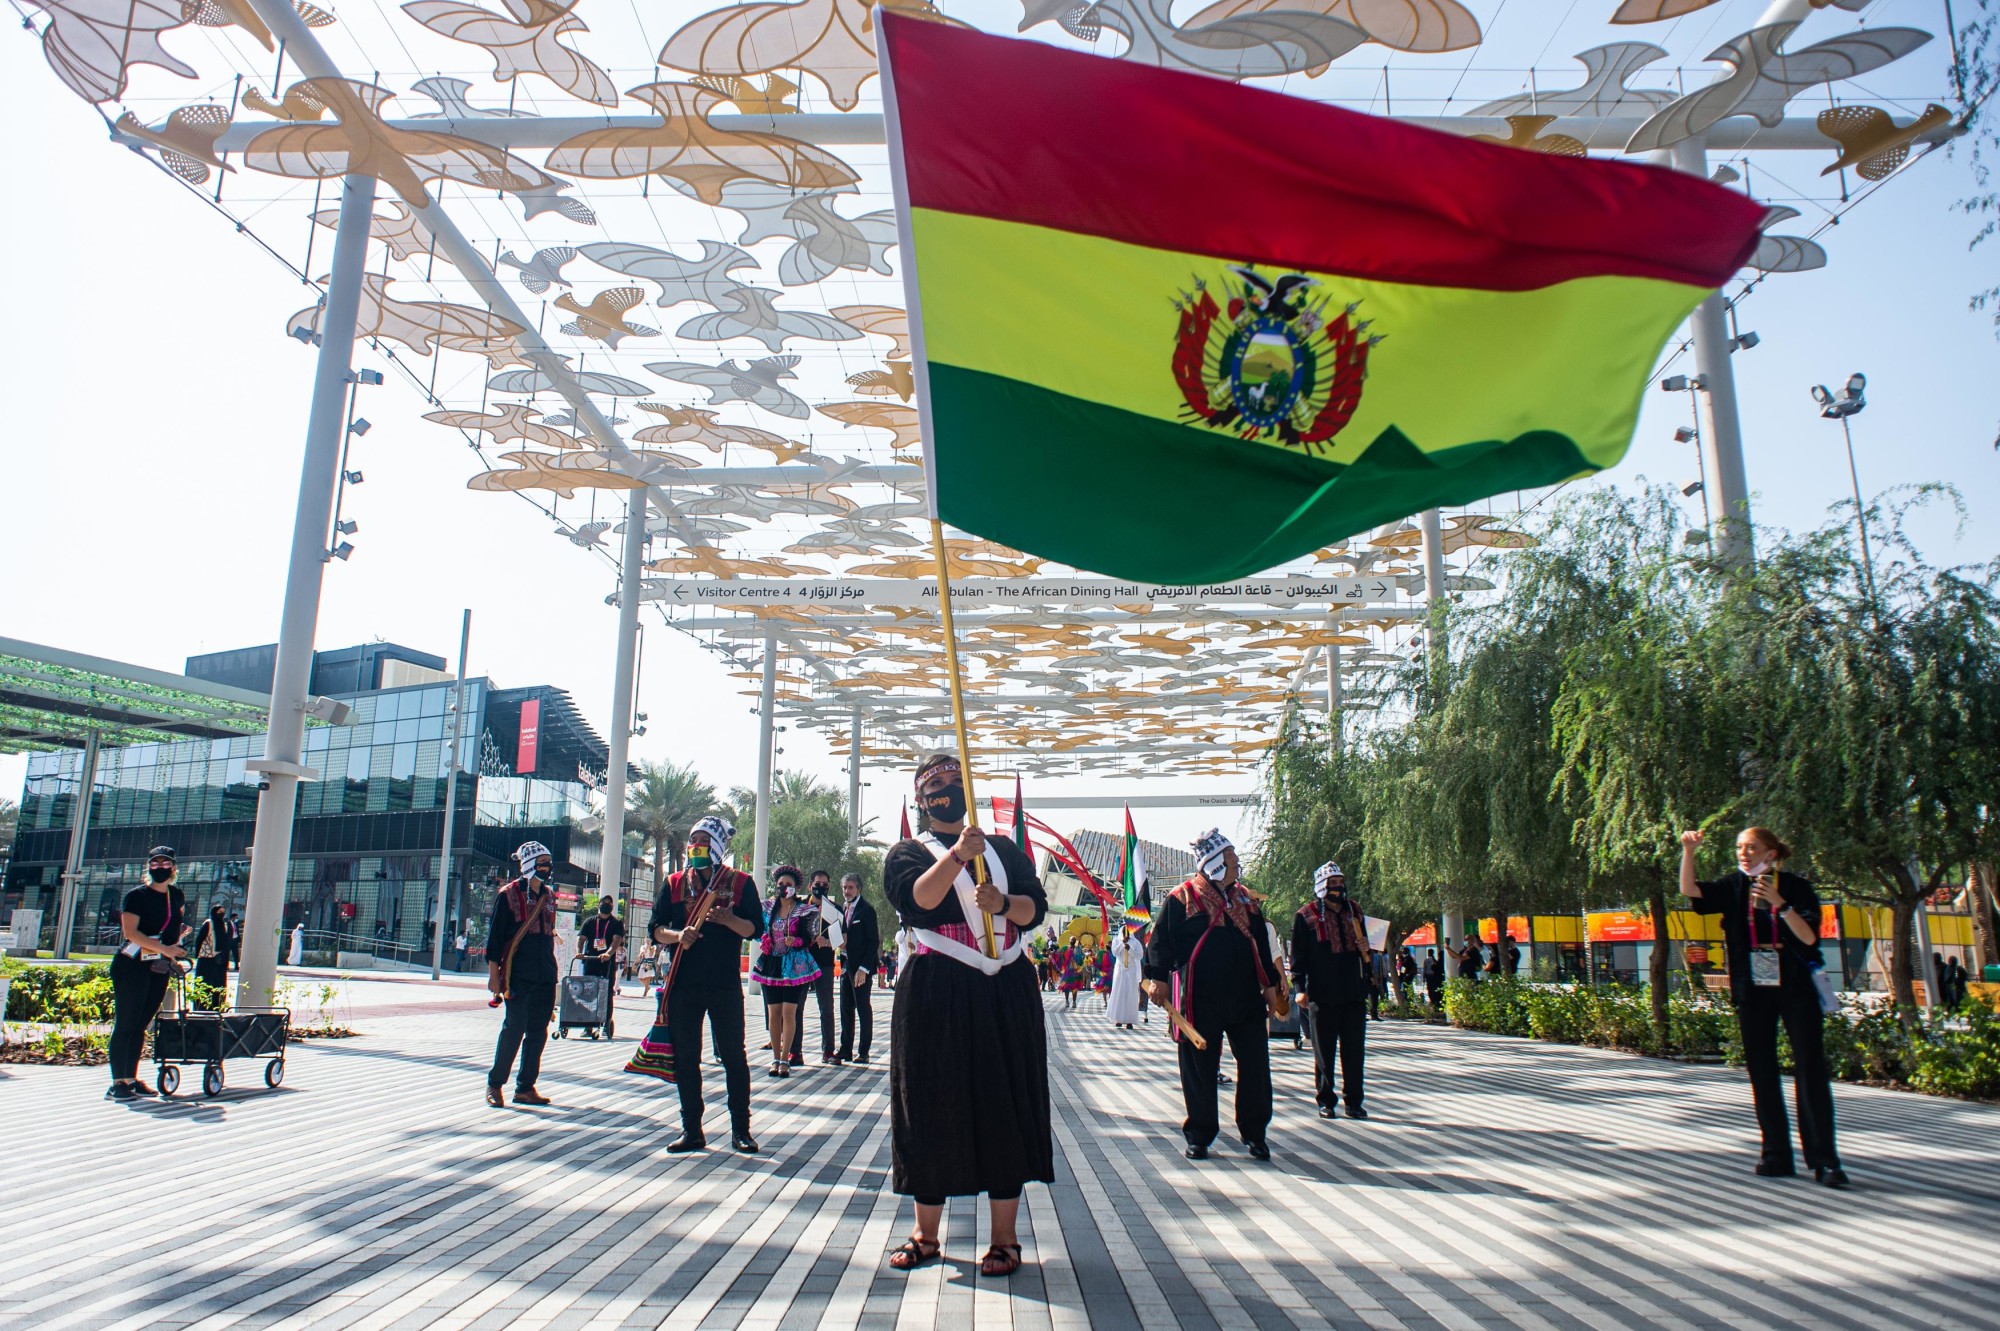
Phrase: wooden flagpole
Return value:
(958, 715)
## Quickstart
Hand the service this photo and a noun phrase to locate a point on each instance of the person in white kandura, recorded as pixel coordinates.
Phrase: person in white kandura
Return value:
(1128, 957)
(298, 953)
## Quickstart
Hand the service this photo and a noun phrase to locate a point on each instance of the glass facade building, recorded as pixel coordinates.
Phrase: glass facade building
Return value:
(368, 832)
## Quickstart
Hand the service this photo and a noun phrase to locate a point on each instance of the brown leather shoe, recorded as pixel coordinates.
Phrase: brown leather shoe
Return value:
(495, 1098)
(530, 1096)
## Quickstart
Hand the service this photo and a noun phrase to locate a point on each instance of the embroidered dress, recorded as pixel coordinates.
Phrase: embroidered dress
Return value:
(784, 952)
(1074, 977)
(968, 1060)
(1101, 982)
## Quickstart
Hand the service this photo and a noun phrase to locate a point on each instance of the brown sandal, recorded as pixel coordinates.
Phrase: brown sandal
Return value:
(912, 1255)
(1002, 1259)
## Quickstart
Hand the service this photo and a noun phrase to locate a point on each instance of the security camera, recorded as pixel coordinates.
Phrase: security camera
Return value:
(1674, 383)
(1745, 341)
(330, 710)
(353, 477)
(1691, 488)
(347, 527)
(369, 377)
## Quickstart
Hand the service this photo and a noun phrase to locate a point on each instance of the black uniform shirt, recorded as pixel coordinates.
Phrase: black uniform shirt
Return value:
(1325, 974)
(910, 860)
(535, 958)
(1223, 987)
(608, 929)
(714, 958)
(162, 915)
(1729, 897)
(861, 947)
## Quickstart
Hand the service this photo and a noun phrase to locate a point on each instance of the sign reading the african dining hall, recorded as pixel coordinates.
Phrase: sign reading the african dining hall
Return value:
(861, 593)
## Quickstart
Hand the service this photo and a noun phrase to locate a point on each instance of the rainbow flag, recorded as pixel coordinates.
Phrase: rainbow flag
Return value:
(1178, 330)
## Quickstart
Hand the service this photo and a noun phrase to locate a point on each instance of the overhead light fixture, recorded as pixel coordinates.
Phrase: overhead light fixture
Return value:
(347, 527)
(368, 377)
(1820, 395)
(1744, 341)
(1684, 435)
(341, 551)
(1674, 383)
(1690, 489)
(305, 335)
(352, 477)
(359, 426)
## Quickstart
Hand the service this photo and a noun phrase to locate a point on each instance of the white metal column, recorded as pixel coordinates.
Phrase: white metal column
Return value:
(1336, 716)
(454, 729)
(767, 708)
(284, 748)
(1715, 399)
(854, 780)
(71, 888)
(624, 687)
(1430, 527)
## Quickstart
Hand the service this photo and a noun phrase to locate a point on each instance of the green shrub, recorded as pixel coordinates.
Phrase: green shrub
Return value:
(1556, 1014)
(1494, 1005)
(1960, 1056)
(70, 995)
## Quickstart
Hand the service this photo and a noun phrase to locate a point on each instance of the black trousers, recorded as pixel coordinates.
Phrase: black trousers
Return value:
(1338, 1029)
(1797, 1005)
(215, 974)
(856, 1003)
(598, 966)
(136, 993)
(530, 1005)
(722, 1006)
(1250, 1040)
(823, 991)
(1436, 992)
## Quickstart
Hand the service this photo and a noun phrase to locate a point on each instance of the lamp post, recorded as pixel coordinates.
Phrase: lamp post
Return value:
(1839, 407)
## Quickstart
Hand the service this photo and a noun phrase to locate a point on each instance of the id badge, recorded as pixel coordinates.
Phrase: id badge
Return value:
(1764, 967)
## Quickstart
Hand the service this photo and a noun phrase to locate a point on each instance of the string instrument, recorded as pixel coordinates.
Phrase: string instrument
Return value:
(1184, 1026)
(698, 911)
(655, 1054)
(513, 946)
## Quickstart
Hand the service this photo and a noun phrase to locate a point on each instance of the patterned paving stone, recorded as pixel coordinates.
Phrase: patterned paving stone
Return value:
(1500, 1183)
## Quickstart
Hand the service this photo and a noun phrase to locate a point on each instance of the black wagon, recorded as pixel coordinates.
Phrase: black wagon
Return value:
(190, 1036)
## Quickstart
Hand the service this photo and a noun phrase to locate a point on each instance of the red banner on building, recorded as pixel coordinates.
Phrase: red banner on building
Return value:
(531, 734)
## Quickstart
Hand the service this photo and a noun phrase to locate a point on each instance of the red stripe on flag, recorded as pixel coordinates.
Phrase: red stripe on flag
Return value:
(1018, 131)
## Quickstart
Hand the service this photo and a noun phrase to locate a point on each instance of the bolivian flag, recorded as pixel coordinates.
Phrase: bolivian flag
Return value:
(1177, 330)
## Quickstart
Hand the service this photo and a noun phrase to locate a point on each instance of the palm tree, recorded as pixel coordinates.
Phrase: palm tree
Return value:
(664, 807)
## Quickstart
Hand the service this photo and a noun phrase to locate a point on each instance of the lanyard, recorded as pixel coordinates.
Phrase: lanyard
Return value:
(1754, 911)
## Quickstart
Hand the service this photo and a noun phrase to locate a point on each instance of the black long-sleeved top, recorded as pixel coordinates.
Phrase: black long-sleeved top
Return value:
(1327, 974)
(1729, 897)
(714, 958)
(226, 949)
(861, 944)
(1221, 987)
(535, 958)
(910, 860)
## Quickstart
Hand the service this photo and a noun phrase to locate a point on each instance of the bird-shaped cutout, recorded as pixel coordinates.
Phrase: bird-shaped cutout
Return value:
(186, 140)
(1653, 11)
(778, 96)
(706, 279)
(764, 205)
(542, 271)
(833, 40)
(361, 142)
(514, 420)
(538, 471)
(890, 321)
(498, 352)
(711, 561)
(1427, 26)
(1476, 529)
(93, 44)
(539, 380)
(1762, 78)
(527, 39)
(691, 425)
(1607, 70)
(757, 383)
(454, 99)
(238, 13)
(752, 312)
(900, 422)
(1360, 563)
(567, 418)
(685, 146)
(589, 534)
(845, 536)
(958, 565)
(402, 231)
(1785, 254)
(1246, 45)
(604, 318)
(1161, 642)
(828, 242)
(299, 104)
(416, 324)
(895, 377)
(1526, 132)
(650, 465)
(1874, 144)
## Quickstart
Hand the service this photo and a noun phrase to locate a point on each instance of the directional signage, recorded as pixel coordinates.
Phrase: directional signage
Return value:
(1000, 593)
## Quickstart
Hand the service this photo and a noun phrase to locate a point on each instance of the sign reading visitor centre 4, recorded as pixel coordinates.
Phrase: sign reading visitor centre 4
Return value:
(1179, 330)
(1292, 590)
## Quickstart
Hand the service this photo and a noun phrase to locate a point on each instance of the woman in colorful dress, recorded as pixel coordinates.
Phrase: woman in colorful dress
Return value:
(969, 1060)
(1074, 977)
(785, 965)
(1100, 980)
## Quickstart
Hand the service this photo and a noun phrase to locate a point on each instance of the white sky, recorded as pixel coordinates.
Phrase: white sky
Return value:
(152, 454)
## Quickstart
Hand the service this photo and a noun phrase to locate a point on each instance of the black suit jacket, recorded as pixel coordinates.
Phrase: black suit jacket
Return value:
(862, 948)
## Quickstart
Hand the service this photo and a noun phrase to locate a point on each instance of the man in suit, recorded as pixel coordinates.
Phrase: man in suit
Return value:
(860, 953)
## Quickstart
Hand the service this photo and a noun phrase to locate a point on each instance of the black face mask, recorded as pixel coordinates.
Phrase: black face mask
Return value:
(947, 805)
(159, 875)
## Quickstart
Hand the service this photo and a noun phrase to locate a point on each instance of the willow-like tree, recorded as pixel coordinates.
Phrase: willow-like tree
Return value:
(663, 808)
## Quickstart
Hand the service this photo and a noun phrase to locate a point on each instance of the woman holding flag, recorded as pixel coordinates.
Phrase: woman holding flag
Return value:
(968, 1061)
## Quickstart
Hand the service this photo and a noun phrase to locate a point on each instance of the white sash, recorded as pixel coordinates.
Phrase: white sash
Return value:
(996, 873)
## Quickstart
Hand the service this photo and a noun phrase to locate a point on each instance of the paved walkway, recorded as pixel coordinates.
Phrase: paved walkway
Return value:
(1500, 1183)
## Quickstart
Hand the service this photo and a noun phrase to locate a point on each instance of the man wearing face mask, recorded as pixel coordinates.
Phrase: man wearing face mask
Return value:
(1330, 962)
(602, 938)
(1210, 939)
(521, 971)
(860, 956)
(825, 917)
(707, 984)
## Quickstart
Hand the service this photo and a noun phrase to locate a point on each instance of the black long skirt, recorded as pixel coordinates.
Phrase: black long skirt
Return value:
(968, 1080)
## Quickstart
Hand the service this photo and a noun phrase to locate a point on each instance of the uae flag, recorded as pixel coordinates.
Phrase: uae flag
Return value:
(1178, 330)
(1020, 828)
(1132, 876)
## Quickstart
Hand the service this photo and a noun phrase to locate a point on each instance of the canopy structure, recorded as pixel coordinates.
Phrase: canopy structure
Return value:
(54, 699)
(645, 263)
